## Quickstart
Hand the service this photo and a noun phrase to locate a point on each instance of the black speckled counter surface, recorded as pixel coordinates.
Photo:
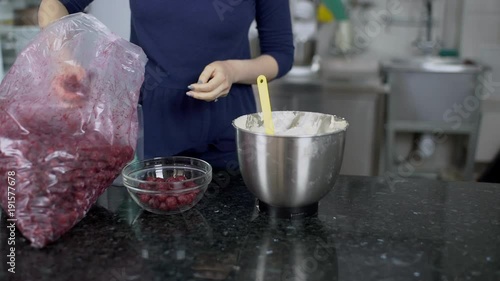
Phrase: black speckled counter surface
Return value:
(365, 230)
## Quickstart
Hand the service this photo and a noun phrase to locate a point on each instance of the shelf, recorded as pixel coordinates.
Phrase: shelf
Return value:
(433, 127)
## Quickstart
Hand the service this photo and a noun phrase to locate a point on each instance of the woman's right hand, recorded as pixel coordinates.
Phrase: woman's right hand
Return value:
(50, 11)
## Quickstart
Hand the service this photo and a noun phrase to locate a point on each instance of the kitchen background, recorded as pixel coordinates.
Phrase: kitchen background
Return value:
(345, 66)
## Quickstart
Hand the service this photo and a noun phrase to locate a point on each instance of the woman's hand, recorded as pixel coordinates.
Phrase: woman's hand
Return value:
(214, 82)
(50, 11)
(217, 78)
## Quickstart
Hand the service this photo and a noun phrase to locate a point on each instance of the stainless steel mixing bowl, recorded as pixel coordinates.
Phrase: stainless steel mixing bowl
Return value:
(290, 171)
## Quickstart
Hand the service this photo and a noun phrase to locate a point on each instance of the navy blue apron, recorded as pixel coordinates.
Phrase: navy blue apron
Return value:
(176, 124)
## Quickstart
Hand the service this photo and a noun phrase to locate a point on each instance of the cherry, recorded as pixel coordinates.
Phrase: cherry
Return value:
(65, 176)
(163, 201)
(172, 203)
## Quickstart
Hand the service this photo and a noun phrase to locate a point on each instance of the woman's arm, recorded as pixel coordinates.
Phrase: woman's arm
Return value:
(276, 44)
(274, 25)
(244, 71)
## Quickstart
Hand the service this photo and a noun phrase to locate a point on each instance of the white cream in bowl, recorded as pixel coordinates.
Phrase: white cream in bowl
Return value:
(294, 123)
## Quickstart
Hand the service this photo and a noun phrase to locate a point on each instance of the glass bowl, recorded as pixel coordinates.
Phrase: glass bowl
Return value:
(167, 185)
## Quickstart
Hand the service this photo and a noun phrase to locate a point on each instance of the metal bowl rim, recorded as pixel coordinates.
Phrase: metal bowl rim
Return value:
(291, 136)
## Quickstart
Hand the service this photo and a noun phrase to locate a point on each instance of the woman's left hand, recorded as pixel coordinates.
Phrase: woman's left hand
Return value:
(214, 82)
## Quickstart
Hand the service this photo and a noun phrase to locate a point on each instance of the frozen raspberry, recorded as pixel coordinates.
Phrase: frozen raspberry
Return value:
(172, 203)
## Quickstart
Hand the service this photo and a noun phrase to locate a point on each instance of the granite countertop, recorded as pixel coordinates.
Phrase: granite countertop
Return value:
(366, 229)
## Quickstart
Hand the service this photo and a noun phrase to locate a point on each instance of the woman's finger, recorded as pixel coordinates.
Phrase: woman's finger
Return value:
(206, 74)
(212, 84)
(209, 96)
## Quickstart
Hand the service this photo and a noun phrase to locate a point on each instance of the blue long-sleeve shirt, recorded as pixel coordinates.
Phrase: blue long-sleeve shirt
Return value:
(181, 37)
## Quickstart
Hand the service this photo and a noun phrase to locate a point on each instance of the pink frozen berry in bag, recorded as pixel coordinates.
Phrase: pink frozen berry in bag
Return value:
(68, 126)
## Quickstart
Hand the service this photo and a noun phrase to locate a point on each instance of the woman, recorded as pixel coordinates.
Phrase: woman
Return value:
(199, 75)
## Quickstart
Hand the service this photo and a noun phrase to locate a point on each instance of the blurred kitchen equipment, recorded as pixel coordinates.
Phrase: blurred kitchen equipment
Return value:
(1, 61)
(18, 4)
(452, 28)
(14, 40)
(338, 9)
(18, 26)
(6, 13)
(324, 14)
(288, 173)
(6, 46)
(305, 49)
(26, 16)
(426, 43)
(343, 39)
(437, 96)
(304, 26)
(265, 104)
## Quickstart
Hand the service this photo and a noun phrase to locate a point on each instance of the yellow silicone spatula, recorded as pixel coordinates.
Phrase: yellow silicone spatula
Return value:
(265, 104)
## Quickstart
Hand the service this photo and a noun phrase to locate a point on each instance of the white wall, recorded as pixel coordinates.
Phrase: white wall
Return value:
(481, 33)
(113, 13)
(395, 39)
(481, 26)
(481, 41)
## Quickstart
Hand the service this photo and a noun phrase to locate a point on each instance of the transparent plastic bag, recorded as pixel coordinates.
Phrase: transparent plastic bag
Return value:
(68, 124)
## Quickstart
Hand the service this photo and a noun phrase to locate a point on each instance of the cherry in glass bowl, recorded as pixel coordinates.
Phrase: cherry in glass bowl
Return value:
(167, 185)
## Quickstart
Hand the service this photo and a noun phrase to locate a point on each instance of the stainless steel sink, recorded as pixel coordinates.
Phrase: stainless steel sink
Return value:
(431, 64)
(425, 88)
(432, 94)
